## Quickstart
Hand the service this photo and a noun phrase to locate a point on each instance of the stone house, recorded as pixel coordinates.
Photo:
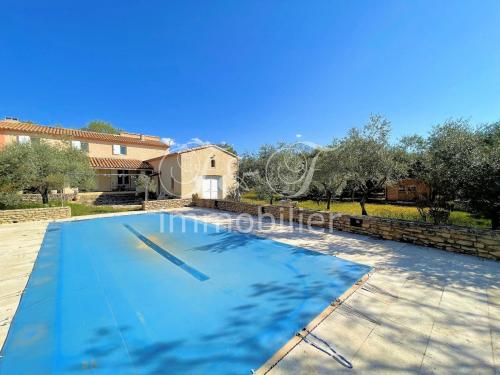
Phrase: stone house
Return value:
(117, 159)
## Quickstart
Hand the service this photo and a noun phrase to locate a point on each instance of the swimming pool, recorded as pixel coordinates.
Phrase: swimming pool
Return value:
(116, 295)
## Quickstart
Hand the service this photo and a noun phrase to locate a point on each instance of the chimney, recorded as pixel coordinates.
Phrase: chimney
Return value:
(142, 137)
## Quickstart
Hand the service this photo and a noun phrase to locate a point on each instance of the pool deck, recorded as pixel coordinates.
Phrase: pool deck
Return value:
(423, 310)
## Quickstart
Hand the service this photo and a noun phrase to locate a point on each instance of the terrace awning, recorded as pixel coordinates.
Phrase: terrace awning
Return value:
(111, 163)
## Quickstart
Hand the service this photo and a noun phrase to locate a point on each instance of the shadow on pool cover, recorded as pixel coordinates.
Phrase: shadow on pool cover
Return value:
(106, 296)
(164, 253)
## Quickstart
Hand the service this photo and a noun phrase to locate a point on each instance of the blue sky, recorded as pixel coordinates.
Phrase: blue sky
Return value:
(250, 72)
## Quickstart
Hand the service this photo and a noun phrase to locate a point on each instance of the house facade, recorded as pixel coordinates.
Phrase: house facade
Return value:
(209, 171)
(118, 159)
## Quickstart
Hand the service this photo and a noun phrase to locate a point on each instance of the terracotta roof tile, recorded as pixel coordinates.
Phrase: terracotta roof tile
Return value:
(24, 127)
(110, 163)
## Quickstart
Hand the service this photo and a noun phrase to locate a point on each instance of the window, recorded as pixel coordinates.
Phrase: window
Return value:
(123, 178)
(77, 145)
(23, 138)
(212, 163)
(119, 150)
(402, 188)
(412, 188)
(35, 141)
(84, 146)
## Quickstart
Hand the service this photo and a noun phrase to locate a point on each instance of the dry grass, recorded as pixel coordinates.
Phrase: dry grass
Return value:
(393, 211)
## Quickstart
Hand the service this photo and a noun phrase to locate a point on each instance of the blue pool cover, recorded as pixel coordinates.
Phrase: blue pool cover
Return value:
(116, 295)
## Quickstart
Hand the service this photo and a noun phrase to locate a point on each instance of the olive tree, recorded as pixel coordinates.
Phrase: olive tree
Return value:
(283, 170)
(252, 171)
(463, 164)
(100, 126)
(481, 189)
(147, 183)
(331, 174)
(228, 147)
(370, 159)
(42, 167)
(460, 164)
(289, 170)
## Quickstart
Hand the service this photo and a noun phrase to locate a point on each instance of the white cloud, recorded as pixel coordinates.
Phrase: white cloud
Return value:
(193, 142)
(298, 135)
(198, 141)
(168, 141)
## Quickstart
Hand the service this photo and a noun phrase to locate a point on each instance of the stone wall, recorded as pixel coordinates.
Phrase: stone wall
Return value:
(34, 214)
(166, 203)
(37, 198)
(478, 242)
(108, 198)
(205, 203)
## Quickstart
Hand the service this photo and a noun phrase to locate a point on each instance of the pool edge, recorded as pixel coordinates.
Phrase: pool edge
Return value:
(38, 249)
(315, 322)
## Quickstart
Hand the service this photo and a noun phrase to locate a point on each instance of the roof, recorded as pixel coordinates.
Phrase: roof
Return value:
(111, 163)
(194, 149)
(24, 127)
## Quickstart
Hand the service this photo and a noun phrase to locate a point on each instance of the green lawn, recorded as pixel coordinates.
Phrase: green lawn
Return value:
(382, 210)
(78, 209)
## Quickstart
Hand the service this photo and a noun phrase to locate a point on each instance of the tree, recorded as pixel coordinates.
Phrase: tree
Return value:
(42, 167)
(412, 151)
(371, 161)
(147, 183)
(442, 161)
(289, 169)
(463, 164)
(331, 175)
(100, 126)
(257, 174)
(316, 194)
(481, 188)
(227, 147)
(284, 170)
(247, 168)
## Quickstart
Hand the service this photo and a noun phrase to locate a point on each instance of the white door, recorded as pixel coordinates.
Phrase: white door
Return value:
(211, 186)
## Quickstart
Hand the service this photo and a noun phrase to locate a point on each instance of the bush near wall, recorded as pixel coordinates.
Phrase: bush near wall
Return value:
(479, 242)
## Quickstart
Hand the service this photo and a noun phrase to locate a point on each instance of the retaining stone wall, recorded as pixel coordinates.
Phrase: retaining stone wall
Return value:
(165, 203)
(478, 242)
(34, 214)
(95, 198)
(102, 198)
(37, 198)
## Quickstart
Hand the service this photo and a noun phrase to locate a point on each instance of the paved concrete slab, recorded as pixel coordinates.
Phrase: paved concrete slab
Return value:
(423, 311)
(19, 246)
